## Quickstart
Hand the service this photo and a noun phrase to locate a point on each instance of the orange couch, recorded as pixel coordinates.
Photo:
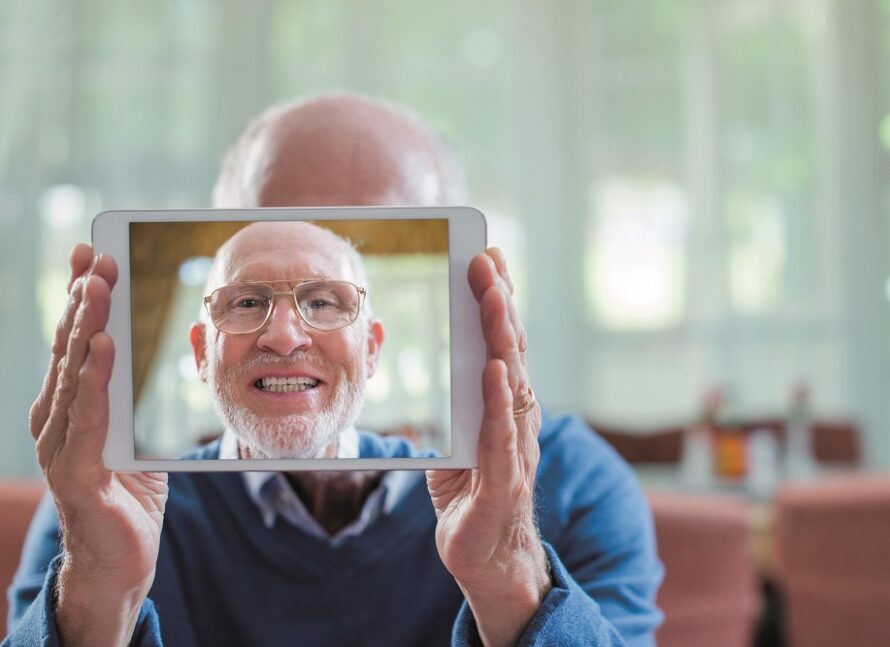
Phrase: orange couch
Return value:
(832, 561)
(710, 595)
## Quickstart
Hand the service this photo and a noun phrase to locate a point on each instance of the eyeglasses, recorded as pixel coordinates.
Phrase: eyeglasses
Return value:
(245, 307)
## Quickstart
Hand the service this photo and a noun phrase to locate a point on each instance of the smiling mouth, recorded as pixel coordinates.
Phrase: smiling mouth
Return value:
(285, 384)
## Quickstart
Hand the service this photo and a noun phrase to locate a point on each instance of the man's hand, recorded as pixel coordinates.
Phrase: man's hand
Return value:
(486, 533)
(111, 523)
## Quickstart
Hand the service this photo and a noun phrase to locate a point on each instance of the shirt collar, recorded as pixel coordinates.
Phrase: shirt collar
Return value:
(274, 496)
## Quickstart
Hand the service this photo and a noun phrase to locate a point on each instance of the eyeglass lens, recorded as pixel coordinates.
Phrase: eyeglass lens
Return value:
(323, 304)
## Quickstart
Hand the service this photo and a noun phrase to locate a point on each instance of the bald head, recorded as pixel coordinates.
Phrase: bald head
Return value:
(338, 150)
(251, 248)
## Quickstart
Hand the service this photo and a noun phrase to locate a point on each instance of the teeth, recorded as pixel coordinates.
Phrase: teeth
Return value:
(290, 384)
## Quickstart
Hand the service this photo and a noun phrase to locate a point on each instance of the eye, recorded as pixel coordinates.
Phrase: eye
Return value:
(249, 302)
(321, 304)
(321, 299)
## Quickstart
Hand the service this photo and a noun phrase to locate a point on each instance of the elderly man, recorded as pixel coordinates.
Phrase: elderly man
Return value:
(262, 328)
(548, 541)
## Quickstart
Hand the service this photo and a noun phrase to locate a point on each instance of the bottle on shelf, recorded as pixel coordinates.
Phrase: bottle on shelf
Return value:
(763, 464)
(730, 445)
(697, 463)
(799, 461)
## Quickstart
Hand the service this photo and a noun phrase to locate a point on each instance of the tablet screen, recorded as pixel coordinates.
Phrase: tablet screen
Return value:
(285, 368)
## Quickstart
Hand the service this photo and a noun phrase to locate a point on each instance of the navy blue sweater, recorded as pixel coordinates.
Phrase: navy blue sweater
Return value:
(223, 578)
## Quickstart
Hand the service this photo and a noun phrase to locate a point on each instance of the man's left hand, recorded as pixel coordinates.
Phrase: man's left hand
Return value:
(486, 533)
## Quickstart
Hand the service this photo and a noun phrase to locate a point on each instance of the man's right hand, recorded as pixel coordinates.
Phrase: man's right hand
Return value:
(110, 522)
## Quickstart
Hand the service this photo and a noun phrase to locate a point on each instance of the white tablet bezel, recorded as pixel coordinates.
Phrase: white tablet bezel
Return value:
(467, 237)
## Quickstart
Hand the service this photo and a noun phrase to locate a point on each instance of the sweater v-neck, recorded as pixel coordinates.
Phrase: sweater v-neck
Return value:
(225, 499)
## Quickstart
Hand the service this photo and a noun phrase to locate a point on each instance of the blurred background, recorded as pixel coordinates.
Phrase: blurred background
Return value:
(689, 192)
(691, 195)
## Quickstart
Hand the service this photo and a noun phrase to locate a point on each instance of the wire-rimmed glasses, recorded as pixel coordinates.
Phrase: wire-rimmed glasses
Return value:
(246, 306)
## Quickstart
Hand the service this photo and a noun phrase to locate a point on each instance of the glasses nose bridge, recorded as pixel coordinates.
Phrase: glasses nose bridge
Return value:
(292, 301)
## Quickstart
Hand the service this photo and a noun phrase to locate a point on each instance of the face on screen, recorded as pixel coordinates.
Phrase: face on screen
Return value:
(287, 342)
(288, 388)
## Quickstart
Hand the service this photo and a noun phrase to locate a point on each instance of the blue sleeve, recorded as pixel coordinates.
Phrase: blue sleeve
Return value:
(31, 620)
(599, 536)
(42, 545)
(567, 616)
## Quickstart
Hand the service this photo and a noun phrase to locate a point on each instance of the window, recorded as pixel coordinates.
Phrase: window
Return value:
(636, 253)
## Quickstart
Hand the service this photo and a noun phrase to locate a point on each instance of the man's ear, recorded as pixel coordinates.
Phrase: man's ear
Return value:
(197, 338)
(375, 341)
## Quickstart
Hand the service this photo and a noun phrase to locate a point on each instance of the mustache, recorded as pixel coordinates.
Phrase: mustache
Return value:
(261, 359)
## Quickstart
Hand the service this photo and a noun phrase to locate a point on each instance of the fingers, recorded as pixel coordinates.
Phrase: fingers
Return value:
(490, 269)
(41, 407)
(80, 260)
(497, 456)
(106, 267)
(482, 274)
(88, 413)
(500, 338)
(504, 333)
(487, 269)
(90, 318)
(83, 262)
(83, 265)
(500, 264)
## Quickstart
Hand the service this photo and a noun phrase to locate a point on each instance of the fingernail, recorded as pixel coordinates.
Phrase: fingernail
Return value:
(500, 263)
(508, 278)
(493, 264)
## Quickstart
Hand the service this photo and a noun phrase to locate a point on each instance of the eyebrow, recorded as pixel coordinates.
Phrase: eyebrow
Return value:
(289, 281)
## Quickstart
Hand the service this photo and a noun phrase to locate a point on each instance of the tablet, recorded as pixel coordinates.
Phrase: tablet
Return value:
(330, 338)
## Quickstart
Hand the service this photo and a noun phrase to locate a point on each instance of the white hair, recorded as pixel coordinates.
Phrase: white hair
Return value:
(353, 257)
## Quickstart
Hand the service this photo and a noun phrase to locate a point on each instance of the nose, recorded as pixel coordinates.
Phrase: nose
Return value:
(285, 331)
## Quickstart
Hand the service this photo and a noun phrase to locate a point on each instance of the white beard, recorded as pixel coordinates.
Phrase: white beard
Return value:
(297, 435)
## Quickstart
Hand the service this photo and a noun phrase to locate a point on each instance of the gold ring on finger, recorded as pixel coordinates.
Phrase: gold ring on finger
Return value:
(528, 406)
